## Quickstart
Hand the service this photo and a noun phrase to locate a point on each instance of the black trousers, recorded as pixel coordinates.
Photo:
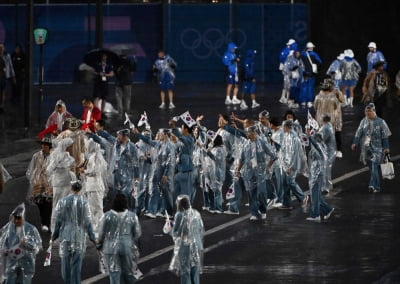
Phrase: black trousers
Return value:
(45, 208)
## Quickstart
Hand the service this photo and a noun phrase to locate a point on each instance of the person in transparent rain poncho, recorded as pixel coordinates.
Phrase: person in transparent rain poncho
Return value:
(124, 163)
(276, 141)
(40, 191)
(215, 174)
(328, 135)
(146, 156)
(188, 235)
(201, 137)
(161, 173)
(256, 159)
(73, 222)
(334, 71)
(20, 242)
(58, 116)
(118, 240)
(94, 176)
(59, 173)
(293, 70)
(372, 136)
(316, 162)
(291, 162)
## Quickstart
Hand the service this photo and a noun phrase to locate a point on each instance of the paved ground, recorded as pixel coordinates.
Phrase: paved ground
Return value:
(359, 244)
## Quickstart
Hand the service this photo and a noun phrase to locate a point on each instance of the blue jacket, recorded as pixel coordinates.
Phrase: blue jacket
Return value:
(185, 152)
(308, 71)
(249, 73)
(285, 52)
(230, 58)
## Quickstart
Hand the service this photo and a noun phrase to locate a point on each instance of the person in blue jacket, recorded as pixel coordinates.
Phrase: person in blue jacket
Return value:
(165, 67)
(374, 56)
(249, 80)
(231, 60)
(311, 61)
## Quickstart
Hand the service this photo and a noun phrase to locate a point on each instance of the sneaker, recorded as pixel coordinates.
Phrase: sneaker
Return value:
(253, 218)
(303, 104)
(263, 216)
(45, 229)
(371, 188)
(229, 212)
(277, 204)
(159, 214)
(236, 101)
(162, 105)
(325, 190)
(243, 105)
(205, 208)
(212, 211)
(339, 154)
(270, 203)
(255, 104)
(315, 219)
(247, 204)
(293, 105)
(218, 212)
(171, 105)
(228, 101)
(309, 104)
(150, 215)
(326, 217)
(305, 201)
(283, 207)
(283, 100)
(376, 190)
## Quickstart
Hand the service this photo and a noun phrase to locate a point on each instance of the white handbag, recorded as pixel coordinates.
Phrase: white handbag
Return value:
(387, 168)
(313, 65)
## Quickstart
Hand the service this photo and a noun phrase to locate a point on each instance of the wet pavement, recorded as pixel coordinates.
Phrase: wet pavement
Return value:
(358, 244)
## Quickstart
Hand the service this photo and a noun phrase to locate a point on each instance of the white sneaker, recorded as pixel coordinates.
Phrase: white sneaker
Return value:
(309, 104)
(45, 229)
(162, 105)
(315, 219)
(236, 101)
(229, 212)
(205, 208)
(171, 105)
(228, 101)
(159, 214)
(326, 217)
(263, 216)
(255, 104)
(277, 204)
(294, 105)
(339, 154)
(253, 218)
(247, 204)
(303, 104)
(243, 105)
(150, 215)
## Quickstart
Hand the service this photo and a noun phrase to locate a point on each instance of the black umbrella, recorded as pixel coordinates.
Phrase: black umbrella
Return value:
(93, 57)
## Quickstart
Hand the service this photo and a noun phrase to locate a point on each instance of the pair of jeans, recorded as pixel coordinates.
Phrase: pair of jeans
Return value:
(318, 204)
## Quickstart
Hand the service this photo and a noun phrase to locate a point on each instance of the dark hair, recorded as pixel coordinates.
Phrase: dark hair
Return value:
(218, 141)
(76, 186)
(101, 122)
(226, 117)
(88, 100)
(289, 111)
(275, 121)
(326, 117)
(183, 203)
(190, 129)
(120, 203)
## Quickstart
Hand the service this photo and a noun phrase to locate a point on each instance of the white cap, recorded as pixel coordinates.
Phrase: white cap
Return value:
(340, 56)
(290, 42)
(349, 53)
(310, 45)
(372, 44)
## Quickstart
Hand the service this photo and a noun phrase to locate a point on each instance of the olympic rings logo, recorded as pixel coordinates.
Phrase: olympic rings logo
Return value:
(210, 42)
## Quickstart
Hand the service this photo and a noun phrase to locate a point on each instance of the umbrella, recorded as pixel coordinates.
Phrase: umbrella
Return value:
(123, 49)
(93, 57)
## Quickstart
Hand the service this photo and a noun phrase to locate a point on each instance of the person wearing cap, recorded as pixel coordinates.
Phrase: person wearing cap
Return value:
(59, 116)
(59, 172)
(231, 61)
(376, 88)
(372, 136)
(249, 80)
(74, 222)
(119, 241)
(311, 61)
(93, 174)
(290, 47)
(188, 235)
(328, 136)
(165, 67)
(183, 179)
(41, 192)
(20, 242)
(374, 56)
(124, 163)
(256, 158)
(161, 173)
(291, 162)
(328, 101)
(293, 69)
(350, 69)
(334, 71)
(316, 160)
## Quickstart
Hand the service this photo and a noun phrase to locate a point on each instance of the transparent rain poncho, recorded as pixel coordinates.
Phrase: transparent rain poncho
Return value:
(73, 222)
(188, 235)
(291, 157)
(119, 233)
(94, 180)
(215, 168)
(370, 135)
(329, 103)
(316, 162)
(22, 244)
(37, 176)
